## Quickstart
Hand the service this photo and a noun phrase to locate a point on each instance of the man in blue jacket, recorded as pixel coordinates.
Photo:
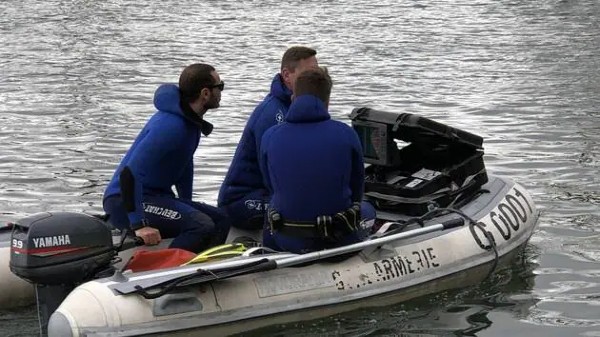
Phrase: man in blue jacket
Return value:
(314, 168)
(140, 195)
(243, 194)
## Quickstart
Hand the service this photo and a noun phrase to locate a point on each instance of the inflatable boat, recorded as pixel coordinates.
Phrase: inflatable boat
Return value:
(441, 223)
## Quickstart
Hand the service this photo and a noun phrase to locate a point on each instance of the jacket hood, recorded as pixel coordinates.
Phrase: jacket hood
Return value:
(167, 99)
(307, 109)
(279, 90)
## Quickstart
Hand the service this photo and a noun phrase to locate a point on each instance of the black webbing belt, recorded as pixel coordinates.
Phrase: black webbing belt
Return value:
(324, 226)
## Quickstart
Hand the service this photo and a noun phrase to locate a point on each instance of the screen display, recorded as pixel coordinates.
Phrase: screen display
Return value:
(373, 138)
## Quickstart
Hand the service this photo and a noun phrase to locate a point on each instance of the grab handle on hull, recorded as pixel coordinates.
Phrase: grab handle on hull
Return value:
(458, 222)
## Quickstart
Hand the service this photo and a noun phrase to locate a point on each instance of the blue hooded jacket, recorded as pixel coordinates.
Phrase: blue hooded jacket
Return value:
(312, 165)
(244, 174)
(162, 154)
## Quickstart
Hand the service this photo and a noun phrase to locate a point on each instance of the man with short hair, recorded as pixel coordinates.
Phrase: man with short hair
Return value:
(140, 195)
(313, 166)
(243, 195)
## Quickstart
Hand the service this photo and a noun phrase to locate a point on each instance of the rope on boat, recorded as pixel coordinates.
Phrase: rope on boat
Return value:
(205, 275)
(488, 236)
(453, 208)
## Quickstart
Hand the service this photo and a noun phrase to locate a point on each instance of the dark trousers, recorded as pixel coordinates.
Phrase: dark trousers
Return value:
(194, 226)
(248, 212)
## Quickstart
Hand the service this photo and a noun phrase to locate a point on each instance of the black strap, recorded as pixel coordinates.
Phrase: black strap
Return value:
(127, 183)
(325, 227)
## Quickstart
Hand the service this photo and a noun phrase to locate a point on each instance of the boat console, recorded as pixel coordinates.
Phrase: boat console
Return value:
(417, 164)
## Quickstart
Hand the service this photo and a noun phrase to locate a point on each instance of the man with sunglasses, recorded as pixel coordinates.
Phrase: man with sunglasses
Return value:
(140, 195)
(243, 194)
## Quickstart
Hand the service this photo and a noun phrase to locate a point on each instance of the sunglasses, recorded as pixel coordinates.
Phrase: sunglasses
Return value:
(221, 86)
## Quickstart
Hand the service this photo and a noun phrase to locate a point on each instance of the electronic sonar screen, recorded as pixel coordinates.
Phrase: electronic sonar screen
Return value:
(373, 138)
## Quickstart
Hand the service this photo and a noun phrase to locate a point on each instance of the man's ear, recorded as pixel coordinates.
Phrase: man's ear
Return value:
(204, 93)
(285, 74)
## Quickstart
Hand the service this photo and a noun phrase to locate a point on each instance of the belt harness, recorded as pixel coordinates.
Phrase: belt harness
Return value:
(327, 227)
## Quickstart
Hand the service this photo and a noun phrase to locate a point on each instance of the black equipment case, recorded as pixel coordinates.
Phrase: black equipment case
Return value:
(417, 164)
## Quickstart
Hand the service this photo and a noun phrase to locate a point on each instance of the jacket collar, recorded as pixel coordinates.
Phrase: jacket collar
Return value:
(307, 109)
(205, 127)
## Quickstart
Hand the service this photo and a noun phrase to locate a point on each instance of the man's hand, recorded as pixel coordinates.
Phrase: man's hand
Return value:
(150, 235)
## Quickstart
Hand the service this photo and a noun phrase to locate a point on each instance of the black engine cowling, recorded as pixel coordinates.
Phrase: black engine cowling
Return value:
(60, 248)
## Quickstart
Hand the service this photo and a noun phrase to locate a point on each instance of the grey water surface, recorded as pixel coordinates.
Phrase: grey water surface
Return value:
(77, 79)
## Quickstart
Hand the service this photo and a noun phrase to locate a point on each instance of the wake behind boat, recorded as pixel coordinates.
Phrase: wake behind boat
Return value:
(442, 223)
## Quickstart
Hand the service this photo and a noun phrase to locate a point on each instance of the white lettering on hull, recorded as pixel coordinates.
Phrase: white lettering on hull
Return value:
(51, 241)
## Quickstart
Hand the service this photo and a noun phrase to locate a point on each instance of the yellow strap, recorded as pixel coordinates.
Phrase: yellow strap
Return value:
(219, 256)
(218, 252)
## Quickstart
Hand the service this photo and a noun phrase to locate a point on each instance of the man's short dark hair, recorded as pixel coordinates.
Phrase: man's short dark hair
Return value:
(316, 82)
(293, 55)
(193, 78)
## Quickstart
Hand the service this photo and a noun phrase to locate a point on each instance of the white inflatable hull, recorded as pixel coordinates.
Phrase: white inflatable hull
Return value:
(14, 291)
(393, 272)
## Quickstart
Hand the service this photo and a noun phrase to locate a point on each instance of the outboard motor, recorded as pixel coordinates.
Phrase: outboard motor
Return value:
(58, 251)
